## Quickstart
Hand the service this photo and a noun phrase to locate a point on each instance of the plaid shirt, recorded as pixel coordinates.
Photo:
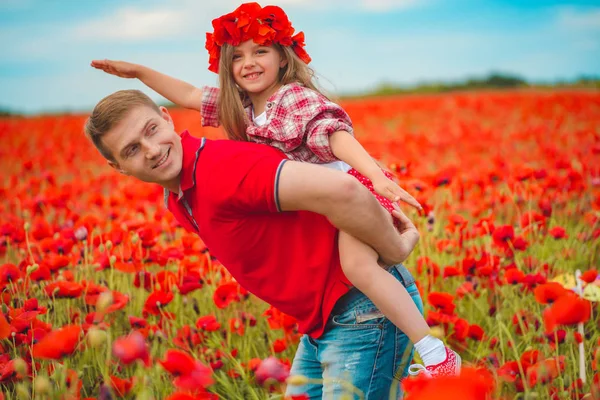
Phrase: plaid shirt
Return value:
(299, 122)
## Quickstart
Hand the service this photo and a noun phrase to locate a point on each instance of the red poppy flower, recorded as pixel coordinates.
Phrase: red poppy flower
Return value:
(532, 218)
(156, 301)
(568, 309)
(558, 232)
(122, 387)
(136, 322)
(64, 289)
(476, 332)
(208, 323)
(545, 371)
(503, 235)
(236, 326)
(190, 374)
(442, 301)
(529, 358)
(589, 276)
(56, 261)
(509, 371)
(197, 396)
(279, 345)
(143, 279)
(514, 276)
(472, 384)
(57, 344)
(226, 293)
(451, 271)
(5, 330)
(130, 348)
(177, 362)
(9, 273)
(548, 293)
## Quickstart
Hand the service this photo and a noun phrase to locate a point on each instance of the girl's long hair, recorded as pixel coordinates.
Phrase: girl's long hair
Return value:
(232, 115)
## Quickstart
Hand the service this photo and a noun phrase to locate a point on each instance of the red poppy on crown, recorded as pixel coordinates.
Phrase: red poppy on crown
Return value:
(264, 25)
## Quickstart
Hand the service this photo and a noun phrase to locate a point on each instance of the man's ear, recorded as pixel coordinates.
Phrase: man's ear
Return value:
(116, 166)
(164, 113)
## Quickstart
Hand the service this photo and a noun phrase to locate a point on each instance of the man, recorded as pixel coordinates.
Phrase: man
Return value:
(272, 223)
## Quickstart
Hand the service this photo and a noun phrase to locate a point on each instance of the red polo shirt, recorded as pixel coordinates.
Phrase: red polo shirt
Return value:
(288, 259)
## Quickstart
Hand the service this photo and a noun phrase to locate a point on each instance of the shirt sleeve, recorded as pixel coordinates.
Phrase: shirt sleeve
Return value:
(209, 110)
(249, 179)
(313, 118)
(328, 118)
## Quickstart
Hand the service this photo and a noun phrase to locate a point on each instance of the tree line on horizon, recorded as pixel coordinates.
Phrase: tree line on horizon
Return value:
(492, 81)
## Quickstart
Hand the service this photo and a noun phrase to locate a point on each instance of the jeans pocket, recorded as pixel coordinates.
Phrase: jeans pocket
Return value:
(364, 317)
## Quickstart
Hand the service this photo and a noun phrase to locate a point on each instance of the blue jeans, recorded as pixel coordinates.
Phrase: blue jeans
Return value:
(359, 346)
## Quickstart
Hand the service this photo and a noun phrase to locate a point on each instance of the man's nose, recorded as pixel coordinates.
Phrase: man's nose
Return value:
(152, 149)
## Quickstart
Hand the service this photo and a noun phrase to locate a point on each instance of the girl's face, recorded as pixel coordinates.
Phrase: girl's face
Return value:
(256, 68)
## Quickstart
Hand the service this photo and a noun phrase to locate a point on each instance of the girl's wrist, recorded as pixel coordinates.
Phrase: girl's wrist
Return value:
(376, 175)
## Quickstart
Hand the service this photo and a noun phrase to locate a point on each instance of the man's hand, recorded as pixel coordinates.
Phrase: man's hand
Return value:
(118, 68)
(390, 190)
(408, 231)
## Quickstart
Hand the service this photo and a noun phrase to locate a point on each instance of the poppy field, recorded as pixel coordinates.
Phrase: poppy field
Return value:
(104, 296)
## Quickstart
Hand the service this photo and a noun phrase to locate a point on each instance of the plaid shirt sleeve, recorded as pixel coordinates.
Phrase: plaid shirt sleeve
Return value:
(209, 110)
(313, 118)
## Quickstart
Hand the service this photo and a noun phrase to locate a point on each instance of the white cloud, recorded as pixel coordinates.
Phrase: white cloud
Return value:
(133, 24)
(185, 17)
(387, 5)
(571, 18)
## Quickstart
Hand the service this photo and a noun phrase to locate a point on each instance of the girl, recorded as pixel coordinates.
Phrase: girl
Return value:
(267, 95)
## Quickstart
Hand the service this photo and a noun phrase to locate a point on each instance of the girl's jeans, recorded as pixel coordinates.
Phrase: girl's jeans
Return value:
(359, 346)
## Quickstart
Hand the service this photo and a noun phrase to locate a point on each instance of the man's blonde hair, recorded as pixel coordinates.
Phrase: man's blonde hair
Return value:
(232, 115)
(110, 111)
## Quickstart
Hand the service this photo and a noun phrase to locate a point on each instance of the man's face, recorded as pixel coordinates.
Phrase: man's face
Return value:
(145, 145)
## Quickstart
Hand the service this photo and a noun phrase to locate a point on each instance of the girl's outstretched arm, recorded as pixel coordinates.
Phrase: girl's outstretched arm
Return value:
(345, 147)
(177, 91)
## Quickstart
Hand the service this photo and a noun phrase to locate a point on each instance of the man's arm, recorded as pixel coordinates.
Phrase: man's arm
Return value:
(348, 205)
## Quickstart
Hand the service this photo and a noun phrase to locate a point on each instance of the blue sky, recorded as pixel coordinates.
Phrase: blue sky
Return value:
(355, 44)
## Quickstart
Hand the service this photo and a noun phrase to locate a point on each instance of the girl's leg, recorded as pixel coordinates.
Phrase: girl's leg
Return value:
(359, 263)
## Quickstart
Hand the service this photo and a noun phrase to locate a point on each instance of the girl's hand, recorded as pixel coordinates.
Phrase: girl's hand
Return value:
(390, 190)
(118, 68)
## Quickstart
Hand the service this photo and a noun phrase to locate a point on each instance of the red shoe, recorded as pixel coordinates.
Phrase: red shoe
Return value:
(449, 367)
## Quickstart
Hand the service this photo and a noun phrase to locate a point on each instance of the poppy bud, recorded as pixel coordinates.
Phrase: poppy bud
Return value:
(41, 385)
(104, 301)
(108, 245)
(26, 226)
(297, 380)
(32, 268)
(20, 366)
(23, 392)
(437, 332)
(96, 337)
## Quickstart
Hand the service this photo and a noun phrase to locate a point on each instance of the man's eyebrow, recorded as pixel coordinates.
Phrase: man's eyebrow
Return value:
(122, 153)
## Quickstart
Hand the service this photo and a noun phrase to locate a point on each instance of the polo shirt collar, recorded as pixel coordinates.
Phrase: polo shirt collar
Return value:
(191, 148)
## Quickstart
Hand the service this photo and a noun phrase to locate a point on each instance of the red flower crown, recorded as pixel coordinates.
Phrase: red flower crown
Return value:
(265, 26)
